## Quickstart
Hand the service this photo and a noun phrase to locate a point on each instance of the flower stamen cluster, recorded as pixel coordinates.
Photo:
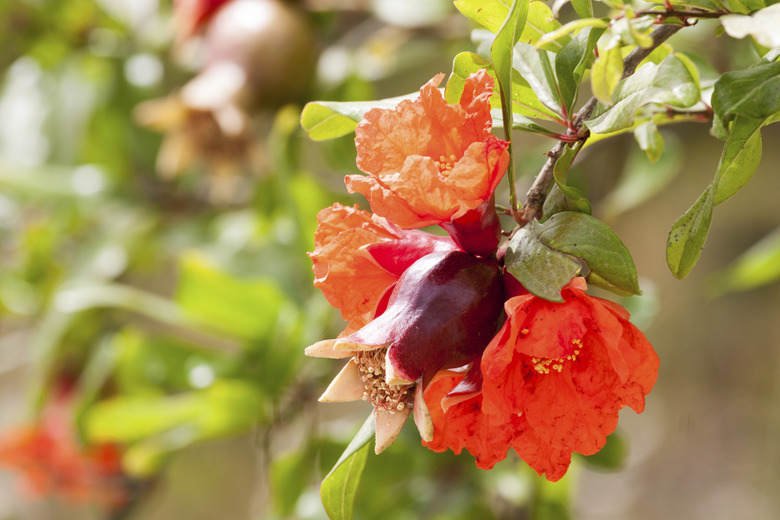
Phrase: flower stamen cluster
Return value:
(378, 391)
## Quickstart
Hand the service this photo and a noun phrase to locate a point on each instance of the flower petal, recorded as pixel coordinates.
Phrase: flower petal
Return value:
(325, 349)
(429, 161)
(346, 386)
(422, 416)
(347, 275)
(388, 426)
(574, 409)
(543, 458)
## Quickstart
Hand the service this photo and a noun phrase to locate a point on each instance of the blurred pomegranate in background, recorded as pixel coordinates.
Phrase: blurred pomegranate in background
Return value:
(270, 42)
(257, 55)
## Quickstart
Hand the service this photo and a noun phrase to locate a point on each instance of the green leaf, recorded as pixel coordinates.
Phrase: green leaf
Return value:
(557, 202)
(541, 270)
(540, 22)
(569, 28)
(340, 485)
(536, 67)
(740, 157)
(571, 63)
(649, 139)
(245, 307)
(688, 235)
(520, 122)
(561, 170)
(669, 83)
(544, 257)
(606, 73)
(754, 92)
(331, 119)
(756, 267)
(463, 65)
(584, 8)
(582, 236)
(490, 14)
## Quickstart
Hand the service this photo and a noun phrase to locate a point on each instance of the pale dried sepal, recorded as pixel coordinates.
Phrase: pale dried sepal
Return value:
(388, 426)
(422, 416)
(341, 344)
(324, 349)
(391, 377)
(346, 386)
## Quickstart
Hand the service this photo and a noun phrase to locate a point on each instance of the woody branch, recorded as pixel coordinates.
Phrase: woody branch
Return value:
(537, 194)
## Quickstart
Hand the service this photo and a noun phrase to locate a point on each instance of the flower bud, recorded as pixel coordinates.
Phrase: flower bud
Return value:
(441, 314)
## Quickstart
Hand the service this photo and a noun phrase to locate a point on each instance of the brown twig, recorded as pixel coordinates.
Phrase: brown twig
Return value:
(538, 192)
(682, 14)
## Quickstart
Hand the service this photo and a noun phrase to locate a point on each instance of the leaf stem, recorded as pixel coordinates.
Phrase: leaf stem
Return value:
(537, 194)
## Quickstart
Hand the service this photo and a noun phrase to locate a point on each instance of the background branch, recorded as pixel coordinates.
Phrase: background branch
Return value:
(540, 188)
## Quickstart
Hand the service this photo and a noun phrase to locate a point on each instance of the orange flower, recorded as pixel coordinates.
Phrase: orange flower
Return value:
(429, 162)
(358, 256)
(558, 373)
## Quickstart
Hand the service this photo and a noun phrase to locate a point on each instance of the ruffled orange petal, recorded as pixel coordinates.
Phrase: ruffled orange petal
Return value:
(575, 409)
(539, 454)
(339, 218)
(487, 438)
(428, 161)
(348, 277)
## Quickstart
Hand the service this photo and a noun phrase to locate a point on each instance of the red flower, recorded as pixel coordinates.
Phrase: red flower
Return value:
(429, 162)
(53, 462)
(555, 377)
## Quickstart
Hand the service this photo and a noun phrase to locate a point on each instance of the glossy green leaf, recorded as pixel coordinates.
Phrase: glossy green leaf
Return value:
(501, 54)
(540, 22)
(544, 257)
(669, 83)
(572, 62)
(463, 65)
(582, 236)
(753, 92)
(541, 270)
(557, 202)
(520, 122)
(561, 170)
(524, 100)
(490, 14)
(606, 73)
(331, 119)
(566, 30)
(583, 8)
(756, 267)
(245, 307)
(688, 235)
(536, 66)
(740, 157)
(340, 485)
